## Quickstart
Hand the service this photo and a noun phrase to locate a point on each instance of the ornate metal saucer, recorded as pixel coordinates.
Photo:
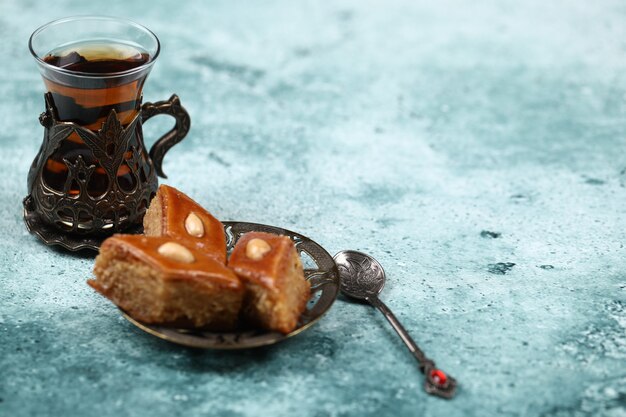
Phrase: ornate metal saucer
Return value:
(319, 269)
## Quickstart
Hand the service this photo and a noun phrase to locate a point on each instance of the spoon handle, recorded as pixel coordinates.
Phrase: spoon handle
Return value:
(437, 382)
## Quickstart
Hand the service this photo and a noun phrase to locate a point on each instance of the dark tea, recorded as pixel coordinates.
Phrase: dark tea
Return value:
(86, 96)
(97, 58)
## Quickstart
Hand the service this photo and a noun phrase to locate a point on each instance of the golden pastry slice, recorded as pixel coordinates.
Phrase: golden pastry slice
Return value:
(175, 215)
(162, 281)
(276, 291)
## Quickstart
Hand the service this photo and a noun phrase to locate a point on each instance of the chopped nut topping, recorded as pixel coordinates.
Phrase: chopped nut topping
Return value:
(176, 252)
(193, 225)
(257, 248)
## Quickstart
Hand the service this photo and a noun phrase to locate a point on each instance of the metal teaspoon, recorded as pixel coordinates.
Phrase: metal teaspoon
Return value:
(363, 278)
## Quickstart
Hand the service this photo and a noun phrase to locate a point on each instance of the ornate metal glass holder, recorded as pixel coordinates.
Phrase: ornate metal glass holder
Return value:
(73, 216)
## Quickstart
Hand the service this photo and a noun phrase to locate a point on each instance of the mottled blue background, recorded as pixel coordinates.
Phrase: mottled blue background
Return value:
(404, 129)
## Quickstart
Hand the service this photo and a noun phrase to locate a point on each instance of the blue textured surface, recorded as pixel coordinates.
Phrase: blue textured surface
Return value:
(475, 148)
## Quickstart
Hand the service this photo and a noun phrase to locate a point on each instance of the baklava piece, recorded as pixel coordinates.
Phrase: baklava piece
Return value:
(173, 214)
(157, 280)
(276, 291)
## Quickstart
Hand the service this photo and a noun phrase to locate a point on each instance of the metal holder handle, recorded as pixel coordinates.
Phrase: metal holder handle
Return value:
(171, 107)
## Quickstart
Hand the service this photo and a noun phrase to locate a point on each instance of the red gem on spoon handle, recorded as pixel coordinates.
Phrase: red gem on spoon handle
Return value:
(439, 377)
(439, 383)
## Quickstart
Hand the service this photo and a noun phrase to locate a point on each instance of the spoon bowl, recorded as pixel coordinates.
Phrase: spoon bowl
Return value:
(361, 276)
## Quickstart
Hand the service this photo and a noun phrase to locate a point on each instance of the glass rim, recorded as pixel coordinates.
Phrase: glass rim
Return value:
(129, 22)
